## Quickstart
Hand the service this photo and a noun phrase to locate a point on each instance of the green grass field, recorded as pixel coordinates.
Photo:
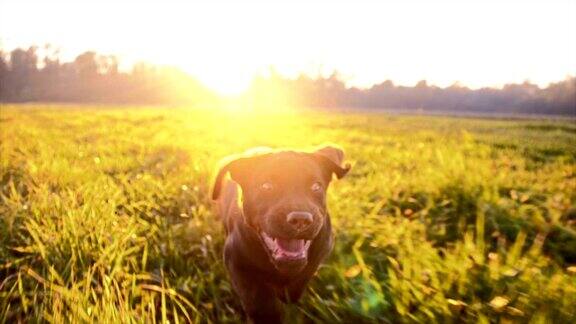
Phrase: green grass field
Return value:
(105, 216)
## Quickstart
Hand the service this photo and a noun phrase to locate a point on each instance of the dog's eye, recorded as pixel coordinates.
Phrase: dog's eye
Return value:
(267, 186)
(316, 187)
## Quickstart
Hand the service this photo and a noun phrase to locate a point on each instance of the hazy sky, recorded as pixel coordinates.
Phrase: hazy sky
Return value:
(479, 43)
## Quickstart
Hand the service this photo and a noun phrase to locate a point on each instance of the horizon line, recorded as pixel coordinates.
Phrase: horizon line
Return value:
(127, 66)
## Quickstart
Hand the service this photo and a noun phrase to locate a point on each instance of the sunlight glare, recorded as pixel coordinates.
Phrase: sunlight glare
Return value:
(225, 44)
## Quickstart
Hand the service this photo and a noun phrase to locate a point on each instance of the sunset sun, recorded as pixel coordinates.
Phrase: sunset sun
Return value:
(367, 44)
(227, 84)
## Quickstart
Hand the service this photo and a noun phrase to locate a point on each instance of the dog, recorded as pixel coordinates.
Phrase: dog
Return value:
(278, 229)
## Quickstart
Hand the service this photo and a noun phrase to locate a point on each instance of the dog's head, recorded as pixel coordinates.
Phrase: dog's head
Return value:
(284, 198)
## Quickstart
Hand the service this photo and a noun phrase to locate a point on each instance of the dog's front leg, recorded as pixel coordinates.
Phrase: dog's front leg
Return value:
(258, 298)
(295, 290)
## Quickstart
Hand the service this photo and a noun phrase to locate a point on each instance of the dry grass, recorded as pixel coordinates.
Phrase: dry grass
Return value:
(105, 216)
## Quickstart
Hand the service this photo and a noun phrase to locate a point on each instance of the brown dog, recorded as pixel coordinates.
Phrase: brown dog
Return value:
(280, 232)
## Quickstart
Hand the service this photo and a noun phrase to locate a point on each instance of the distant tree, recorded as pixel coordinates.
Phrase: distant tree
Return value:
(86, 65)
(23, 67)
(4, 70)
(39, 75)
(3, 64)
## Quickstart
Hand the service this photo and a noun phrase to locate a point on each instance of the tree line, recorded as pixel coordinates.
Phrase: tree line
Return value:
(25, 76)
(524, 98)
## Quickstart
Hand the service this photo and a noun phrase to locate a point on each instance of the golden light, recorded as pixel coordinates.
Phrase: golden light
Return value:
(227, 85)
(225, 44)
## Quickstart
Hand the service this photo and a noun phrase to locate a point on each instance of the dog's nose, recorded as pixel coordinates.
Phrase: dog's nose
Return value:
(299, 220)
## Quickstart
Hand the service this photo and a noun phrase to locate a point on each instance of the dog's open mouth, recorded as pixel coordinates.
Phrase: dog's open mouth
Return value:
(286, 249)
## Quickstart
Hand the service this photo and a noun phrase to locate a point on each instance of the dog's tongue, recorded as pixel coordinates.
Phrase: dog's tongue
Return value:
(290, 245)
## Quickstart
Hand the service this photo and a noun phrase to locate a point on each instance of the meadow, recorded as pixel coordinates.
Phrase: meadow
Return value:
(105, 216)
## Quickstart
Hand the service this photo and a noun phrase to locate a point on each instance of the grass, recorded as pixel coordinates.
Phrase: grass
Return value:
(105, 216)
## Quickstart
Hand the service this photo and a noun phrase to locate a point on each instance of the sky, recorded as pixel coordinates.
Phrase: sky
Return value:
(226, 43)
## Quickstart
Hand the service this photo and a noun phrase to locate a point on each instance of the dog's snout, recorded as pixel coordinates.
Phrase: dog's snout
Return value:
(299, 220)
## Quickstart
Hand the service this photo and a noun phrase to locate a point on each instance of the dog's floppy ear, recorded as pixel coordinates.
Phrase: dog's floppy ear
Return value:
(238, 166)
(332, 158)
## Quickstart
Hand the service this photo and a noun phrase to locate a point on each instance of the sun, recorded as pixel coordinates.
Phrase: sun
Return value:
(229, 84)
(226, 75)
